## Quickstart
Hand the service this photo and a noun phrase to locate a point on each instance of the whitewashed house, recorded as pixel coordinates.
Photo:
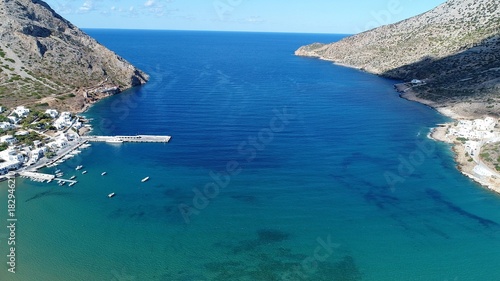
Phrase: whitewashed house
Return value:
(13, 119)
(52, 113)
(6, 126)
(61, 141)
(8, 139)
(63, 121)
(21, 111)
(12, 160)
(37, 153)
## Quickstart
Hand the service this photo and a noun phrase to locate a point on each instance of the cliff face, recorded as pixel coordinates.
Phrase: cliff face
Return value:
(46, 60)
(455, 48)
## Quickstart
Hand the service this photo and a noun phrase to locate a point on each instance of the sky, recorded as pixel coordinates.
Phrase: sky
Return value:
(313, 16)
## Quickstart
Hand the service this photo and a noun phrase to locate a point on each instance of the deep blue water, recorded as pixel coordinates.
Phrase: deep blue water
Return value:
(279, 168)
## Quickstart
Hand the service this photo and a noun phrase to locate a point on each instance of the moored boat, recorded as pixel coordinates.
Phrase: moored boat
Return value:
(111, 194)
(145, 179)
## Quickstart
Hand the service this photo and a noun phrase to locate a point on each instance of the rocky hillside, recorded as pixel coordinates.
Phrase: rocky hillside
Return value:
(47, 61)
(454, 48)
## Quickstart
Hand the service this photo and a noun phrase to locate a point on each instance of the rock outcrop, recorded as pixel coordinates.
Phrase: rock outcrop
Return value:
(46, 60)
(454, 48)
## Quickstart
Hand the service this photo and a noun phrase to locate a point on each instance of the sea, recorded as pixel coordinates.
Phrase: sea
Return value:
(279, 168)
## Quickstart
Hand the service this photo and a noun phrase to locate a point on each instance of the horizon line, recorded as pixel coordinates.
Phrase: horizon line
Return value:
(207, 30)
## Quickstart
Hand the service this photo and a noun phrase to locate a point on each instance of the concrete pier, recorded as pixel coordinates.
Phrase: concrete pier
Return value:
(34, 176)
(41, 177)
(120, 139)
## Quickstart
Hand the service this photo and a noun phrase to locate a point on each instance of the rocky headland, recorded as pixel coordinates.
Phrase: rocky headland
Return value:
(452, 51)
(47, 62)
(447, 58)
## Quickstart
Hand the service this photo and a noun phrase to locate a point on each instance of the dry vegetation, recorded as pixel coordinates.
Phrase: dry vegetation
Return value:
(47, 61)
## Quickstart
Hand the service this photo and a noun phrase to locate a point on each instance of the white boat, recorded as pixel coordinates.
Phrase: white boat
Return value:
(62, 183)
(145, 179)
(79, 167)
(72, 177)
(111, 194)
(71, 184)
(59, 175)
(84, 172)
(57, 171)
(49, 181)
(103, 173)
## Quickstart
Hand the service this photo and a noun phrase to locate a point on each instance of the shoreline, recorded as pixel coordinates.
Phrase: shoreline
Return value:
(463, 162)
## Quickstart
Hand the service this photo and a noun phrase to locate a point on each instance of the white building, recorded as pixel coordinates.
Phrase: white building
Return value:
(36, 154)
(21, 111)
(13, 119)
(37, 143)
(52, 113)
(64, 121)
(8, 139)
(6, 126)
(11, 160)
(61, 141)
(22, 133)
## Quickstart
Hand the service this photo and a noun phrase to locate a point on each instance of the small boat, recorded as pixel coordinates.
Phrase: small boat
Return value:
(72, 177)
(111, 194)
(62, 183)
(145, 179)
(103, 173)
(49, 181)
(57, 171)
(79, 167)
(59, 175)
(84, 172)
(72, 183)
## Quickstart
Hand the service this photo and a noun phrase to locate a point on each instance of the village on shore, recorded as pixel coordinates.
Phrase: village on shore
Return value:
(476, 144)
(31, 139)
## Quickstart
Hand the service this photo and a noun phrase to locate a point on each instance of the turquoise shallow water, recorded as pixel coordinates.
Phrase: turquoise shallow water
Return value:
(301, 149)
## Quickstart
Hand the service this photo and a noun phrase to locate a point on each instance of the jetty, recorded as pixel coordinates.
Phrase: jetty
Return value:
(34, 176)
(120, 139)
(41, 177)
